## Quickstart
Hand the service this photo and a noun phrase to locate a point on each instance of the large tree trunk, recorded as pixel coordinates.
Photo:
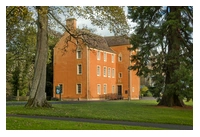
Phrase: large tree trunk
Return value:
(170, 101)
(170, 98)
(37, 96)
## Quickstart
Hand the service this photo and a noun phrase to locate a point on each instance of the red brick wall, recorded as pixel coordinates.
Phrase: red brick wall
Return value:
(65, 70)
(94, 79)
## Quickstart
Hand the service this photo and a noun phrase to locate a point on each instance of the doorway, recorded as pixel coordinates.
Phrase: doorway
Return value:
(119, 89)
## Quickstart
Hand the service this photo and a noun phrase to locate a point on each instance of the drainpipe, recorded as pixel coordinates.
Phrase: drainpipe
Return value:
(87, 72)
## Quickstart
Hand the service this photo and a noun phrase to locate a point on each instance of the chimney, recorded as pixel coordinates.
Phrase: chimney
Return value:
(71, 24)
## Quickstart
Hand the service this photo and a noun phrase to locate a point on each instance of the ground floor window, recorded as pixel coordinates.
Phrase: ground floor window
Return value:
(78, 88)
(105, 88)
(98, 89)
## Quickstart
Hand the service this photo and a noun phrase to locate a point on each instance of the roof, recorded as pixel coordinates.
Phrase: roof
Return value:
(97, 42)
(117, 41)
(104, 43)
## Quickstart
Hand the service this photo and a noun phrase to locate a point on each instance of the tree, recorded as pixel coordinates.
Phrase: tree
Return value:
(163, 36)
(100, 16)
(20, 49)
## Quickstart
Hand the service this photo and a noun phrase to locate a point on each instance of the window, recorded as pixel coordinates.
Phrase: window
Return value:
(113, 89)
(79, 69)
(98, 70)
(78, 54)
(113, 72)
(109, 70)
(105, 56)
(113, 58)
(104, 71)
(98, 89)
(78, 88)
(120, 75)
(120, 57)
(98, 55)
(105, 88)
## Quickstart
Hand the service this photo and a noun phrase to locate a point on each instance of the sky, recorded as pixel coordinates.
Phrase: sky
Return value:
(104, 33)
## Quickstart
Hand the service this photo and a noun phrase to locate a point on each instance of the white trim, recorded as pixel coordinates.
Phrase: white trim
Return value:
(113, 88)
(98, 55)
(77, 51)
(119, 75)
(120, 57)
(78, 69)
(113, 72)
(104, 71)
(109, 72)
(104, 85)
(112, 58)
(104, 56)
(77, 88)
(99, 89)
(99, 73)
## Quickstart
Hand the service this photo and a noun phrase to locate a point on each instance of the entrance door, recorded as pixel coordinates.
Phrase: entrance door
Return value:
(119, 89)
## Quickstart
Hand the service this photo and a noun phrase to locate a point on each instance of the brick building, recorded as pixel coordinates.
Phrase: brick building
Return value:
(94, 69)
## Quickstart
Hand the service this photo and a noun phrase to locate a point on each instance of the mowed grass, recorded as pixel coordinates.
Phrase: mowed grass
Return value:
(16, 123)
(137, 111)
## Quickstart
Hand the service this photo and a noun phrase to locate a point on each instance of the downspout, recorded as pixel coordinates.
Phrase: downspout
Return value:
(87, 60)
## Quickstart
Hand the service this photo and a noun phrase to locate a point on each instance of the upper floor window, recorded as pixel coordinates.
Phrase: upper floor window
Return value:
(120, 75)
(98, 70)
(104, 71)
(109, 71)
(78, 88)
(79, 69)
(113, 72)
(105, 56)
(120, 57)
(98, 55)
(78, 54)
(113, 58)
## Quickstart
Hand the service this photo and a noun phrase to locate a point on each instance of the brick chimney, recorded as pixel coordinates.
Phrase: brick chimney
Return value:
(71, 24)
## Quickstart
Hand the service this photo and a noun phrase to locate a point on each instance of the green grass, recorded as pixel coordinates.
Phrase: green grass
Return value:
(138, 111)
(15, 123)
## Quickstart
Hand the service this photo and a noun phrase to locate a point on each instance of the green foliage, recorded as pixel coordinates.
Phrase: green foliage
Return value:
(20, 48)
(163, 36)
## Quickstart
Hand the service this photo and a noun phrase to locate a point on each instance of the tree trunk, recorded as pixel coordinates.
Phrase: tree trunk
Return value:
(171, 101)
(37, 96)
(170, 98)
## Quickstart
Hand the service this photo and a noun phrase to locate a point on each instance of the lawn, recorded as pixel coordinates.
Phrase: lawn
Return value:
(138, 111)
(16, 123)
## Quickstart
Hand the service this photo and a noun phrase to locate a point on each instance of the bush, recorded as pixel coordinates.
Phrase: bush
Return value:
(144, 91)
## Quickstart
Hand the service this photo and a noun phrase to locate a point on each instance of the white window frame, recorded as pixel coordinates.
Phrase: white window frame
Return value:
(78, 71)
(105, 56)
(98, 55)
(77, 88)
(104, 88)
(98, 88)
(98, 70)
(120, 73)
(105, 71)
(113, 58)
(78, 52)
(120, 57)
(113, 89)
(113, 72)
(109, 72)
